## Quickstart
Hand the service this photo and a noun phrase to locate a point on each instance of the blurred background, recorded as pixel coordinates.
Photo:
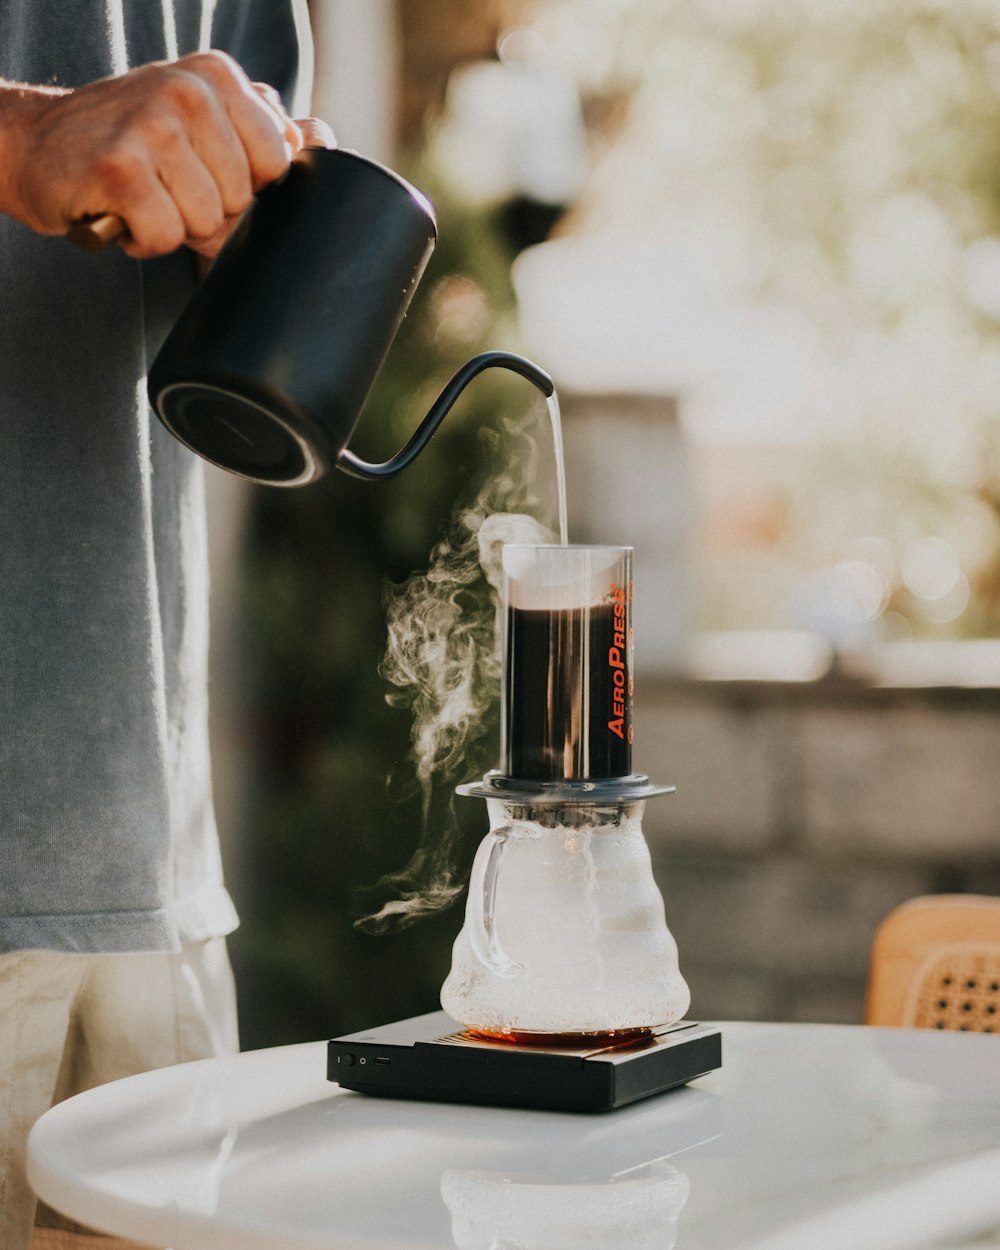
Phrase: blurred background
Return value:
(758, 247)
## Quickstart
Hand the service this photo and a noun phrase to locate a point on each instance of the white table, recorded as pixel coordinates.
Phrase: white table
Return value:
(810, 1137)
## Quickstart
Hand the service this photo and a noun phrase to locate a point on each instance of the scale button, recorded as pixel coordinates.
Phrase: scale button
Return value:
(346, 1059)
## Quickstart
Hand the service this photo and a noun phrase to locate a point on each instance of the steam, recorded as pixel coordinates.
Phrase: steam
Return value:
(443, 660)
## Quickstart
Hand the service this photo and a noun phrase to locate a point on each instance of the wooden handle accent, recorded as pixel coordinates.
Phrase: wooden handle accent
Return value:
(94, 234)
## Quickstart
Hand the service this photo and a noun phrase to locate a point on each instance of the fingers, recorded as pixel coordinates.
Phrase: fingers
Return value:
(211, 245)
(207, 144)
(316, 133)
(306, 132)
(243, 139)
(154, 223)
(201, 200)
(293, 131)
(269, 137)
(175, 149)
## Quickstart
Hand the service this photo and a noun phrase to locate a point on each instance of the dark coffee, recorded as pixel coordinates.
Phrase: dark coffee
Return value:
(568, 691)
(591, 1038)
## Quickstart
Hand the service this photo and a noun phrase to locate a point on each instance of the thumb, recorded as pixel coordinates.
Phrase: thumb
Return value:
(315, 133)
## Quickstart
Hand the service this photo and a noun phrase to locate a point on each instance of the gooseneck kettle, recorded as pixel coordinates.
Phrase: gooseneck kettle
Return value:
(267, 369)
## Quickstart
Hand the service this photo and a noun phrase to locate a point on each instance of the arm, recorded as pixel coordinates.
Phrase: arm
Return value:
(175, 149)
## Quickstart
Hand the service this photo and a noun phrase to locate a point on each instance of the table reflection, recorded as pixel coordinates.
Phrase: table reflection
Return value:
(637, 1209)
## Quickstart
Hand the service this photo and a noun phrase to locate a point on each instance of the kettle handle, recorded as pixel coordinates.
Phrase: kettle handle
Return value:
(352, 465)
(480, 916)
(94, 234)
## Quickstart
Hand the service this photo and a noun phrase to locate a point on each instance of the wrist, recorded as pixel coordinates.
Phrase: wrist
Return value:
(21, 107)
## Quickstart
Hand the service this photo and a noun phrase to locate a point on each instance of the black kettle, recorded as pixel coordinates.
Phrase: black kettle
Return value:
(267, 369)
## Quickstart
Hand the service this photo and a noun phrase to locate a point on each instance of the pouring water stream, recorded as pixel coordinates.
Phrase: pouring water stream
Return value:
(552, 403)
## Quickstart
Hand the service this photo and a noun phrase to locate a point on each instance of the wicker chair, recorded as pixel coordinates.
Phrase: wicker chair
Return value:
(935, 964)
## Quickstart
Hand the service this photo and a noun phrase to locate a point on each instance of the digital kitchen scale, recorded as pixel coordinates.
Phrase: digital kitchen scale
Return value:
(430, 1057)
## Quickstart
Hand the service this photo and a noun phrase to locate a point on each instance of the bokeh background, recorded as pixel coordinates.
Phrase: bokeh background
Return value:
(758, 246)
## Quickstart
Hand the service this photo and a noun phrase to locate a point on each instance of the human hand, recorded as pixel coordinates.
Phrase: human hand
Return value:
(175, 149)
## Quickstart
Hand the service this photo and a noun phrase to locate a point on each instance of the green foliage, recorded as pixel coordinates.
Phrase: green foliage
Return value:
(335, 806)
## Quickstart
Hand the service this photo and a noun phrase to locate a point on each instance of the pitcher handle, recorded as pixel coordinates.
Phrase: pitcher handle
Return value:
(481, 912)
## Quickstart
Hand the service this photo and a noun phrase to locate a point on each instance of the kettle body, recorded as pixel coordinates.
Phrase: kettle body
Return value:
(268, 367)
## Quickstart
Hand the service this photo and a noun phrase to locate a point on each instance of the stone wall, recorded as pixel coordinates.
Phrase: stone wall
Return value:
(804, 812)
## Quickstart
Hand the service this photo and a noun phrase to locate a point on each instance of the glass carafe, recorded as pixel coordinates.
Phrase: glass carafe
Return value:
(565, 938)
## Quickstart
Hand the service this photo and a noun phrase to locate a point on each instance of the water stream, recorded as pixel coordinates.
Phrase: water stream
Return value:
(557, 446)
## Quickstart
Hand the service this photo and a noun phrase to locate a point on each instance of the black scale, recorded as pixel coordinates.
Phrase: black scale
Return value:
(431, 1058)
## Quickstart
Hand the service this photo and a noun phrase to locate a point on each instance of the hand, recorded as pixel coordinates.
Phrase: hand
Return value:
(175, 149)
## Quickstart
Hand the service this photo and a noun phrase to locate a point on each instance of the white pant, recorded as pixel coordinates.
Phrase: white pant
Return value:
(70, 1022)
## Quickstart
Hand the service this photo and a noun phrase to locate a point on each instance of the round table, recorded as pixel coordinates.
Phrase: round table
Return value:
(810, 1136)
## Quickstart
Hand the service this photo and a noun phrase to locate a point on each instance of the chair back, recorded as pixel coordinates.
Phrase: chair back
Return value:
(935, 964)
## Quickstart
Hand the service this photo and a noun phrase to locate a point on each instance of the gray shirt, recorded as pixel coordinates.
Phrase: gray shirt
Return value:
(107, 835)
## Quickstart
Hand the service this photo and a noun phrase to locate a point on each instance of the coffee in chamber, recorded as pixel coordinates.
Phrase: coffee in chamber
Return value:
(568, 691)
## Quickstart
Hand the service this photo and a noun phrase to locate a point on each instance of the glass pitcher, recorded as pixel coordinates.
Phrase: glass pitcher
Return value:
(565, 936)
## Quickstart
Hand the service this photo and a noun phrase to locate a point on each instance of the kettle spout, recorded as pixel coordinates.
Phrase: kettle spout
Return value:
(351, 464)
